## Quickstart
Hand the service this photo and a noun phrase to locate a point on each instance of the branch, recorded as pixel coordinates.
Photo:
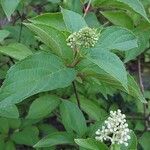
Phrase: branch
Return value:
(87, 8)
(76, 94)
(142, 90)
(140, 75)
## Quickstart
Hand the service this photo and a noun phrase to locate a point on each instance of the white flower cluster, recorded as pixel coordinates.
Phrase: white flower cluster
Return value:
(86, 37)
(115, 129)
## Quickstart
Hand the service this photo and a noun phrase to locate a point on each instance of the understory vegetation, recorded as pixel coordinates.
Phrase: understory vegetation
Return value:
(75, 75)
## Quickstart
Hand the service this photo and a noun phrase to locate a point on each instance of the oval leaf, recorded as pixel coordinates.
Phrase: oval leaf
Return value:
(117, 38)
(119, 18)
(9, 6)
(91, 144)
(72, 118)
(37, 73)
(110, 63)
(47, 104)
(74, 21)
(28, 136)
(9, 112)
(3, 34)
(56, 138)
(137, 6)
(53, 38)
(16, 50)
(54, 20)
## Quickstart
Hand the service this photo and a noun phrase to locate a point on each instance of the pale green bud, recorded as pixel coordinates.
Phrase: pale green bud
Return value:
(86, 37)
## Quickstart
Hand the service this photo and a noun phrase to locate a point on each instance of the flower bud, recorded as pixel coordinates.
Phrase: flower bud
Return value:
(86, 37)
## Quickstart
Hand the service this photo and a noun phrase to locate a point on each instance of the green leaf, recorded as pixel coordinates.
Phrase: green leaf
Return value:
(73, 118)
(9, 112)
(115, 147)
(3, 34)
(54, 1)
(109, 63)
(9, 6)
(28, 136)
(116, 38)
(130, 5)
(37, 73)
(97, 2)
(144, 140)
(137, 6)
(27, 37)
(14, 123)
(57, 138)
(2, 142)
(74, 5)
(9, 145)
(91, 144)
(4, 126)
(92, 108)
(119, 18)
(47, 104)
(74, 21)
(92, 20)
(134, 89)
(93, 70)
(16, 50)
(46, 129)
(54, 20)
(53, 38)
(142, 42)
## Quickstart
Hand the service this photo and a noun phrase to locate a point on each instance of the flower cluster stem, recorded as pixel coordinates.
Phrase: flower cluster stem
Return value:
(76, 94)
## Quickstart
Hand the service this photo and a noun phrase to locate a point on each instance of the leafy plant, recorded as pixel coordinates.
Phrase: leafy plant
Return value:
(64, 70)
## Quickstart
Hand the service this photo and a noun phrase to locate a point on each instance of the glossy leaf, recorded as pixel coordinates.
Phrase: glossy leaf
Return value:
(9, 112)
(54, 20)
(91, 144)
(92, 20)
(137, 6)
(57, 138)
(130, 5)
(3, 34)
(9, 145)
(92, 108)
(43, 106)
(9, 6)
(74, 21)
(92, 70)
(37, 73)
(16, 50)
(72, 118)
(119, 18)
(28, 136)
(144, 140)
(53, 38)
(4, 126)
(142, 42)
(116, 38)
(73, 5)
(110, 63)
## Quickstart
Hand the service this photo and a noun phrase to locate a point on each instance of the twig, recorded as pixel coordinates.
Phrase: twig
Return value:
(140, 75)
(142, 90)
(20, 32)
(135, 118)
(21, 25)
(76, 94)
(87, 8)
